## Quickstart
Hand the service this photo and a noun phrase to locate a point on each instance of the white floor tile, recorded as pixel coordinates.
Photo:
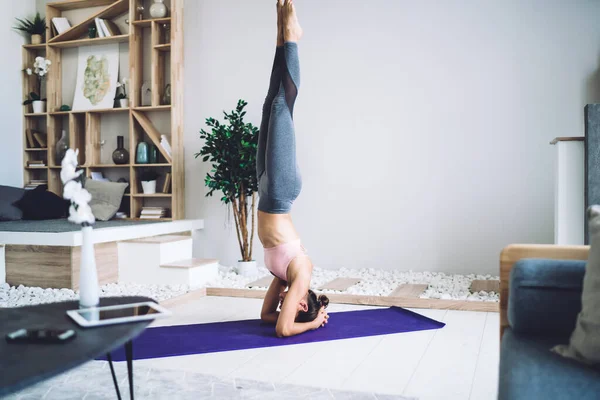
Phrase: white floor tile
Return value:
(275, 363)
(485, 383)
(333, 362)
(218, 364)
(447, 368)
(392, 363)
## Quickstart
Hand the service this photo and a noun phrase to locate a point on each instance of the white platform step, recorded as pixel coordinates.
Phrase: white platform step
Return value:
(140, 259)
(194, 272)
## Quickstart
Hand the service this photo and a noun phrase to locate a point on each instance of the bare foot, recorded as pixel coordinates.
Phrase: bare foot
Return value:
(280, 40)
(292, 31)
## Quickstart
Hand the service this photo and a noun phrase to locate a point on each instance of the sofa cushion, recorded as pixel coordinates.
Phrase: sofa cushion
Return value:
(8, 196)
(545, 296)
(529, 371)
(40, 204)
(585, 340)
(106, 197)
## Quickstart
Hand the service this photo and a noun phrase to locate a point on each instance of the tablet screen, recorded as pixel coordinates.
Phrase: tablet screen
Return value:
(125, 312)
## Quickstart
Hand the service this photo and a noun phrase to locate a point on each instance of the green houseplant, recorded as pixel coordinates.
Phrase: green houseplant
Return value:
(231, 149)
(36, 28)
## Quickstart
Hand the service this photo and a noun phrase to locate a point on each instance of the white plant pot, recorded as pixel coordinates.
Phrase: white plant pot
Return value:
(88, 276)
(247, 268)
(124, 103)
(149, 187)
(39, 106)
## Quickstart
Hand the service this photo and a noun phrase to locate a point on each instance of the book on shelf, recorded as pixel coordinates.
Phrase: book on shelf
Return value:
(164, 143)
(106, 28)
(40, 138)
(153, 212)
(36, 163)
(167, 184)
(61, 24)
(34, 184)
(30, 140)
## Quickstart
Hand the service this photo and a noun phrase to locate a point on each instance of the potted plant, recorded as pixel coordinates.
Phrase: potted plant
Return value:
(231, 149)
(35, 28)
(148, 178)
(122, 96)
(40, 69)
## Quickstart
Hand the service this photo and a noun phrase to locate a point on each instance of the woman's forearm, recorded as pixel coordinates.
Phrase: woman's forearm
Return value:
(294, 329)
(270, 318)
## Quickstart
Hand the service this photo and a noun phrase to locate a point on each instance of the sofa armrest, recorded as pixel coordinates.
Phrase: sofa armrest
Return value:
(515, 252)
(545, 296)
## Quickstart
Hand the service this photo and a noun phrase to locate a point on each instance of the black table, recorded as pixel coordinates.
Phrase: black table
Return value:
(23, 365)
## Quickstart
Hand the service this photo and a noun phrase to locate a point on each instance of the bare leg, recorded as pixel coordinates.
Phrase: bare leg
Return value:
(292, 31)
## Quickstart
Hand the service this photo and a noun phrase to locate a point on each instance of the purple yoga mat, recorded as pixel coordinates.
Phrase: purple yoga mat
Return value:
(182, 340)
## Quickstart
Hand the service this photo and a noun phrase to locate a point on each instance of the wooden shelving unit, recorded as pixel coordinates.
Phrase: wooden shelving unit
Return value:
(159, 40)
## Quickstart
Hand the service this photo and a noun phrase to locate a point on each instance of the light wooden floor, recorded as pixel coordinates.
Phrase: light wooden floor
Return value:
(457, 362)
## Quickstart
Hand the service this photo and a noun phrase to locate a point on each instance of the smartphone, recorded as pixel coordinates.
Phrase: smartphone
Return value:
(40, 336)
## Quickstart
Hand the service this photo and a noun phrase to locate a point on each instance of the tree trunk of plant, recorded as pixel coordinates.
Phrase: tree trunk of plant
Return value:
(253, 224)
(240, 214)
(236, 218)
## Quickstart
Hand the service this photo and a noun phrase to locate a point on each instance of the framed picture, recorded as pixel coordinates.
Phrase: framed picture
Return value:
(97, 75)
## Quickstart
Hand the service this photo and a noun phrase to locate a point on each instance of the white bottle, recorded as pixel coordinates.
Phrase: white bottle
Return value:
(158, 9)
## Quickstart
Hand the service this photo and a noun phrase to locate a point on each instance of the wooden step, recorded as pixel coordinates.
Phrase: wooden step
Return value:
(409, 290)
(340, 284)
(265, 281)
(159, 239)
(191, 263)
(489, 285)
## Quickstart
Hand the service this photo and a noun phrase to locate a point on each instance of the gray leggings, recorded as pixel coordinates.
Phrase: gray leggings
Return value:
(279, 180)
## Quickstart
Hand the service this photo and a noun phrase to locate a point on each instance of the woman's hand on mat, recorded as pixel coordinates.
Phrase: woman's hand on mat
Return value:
(321, 319)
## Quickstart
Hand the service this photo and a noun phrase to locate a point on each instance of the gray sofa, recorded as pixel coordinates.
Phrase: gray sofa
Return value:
(541, 311)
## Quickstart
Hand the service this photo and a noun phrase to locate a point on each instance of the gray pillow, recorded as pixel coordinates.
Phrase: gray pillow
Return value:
(8, 196)
(106, 197)
(585, 339)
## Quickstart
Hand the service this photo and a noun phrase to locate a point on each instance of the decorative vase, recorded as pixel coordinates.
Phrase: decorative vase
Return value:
(39, 106)
(88, 276)
(153, 159)
(141, 155)
(124, 103)
(166, 99)
(158, 9)
(146, 93)
(149, 187)
(247, 268)
(61, 147)
(36, 39)
(120, 155)
(92, 32)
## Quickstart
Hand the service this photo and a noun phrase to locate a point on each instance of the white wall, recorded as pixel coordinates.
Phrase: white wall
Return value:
(422, 126)
(11, 111)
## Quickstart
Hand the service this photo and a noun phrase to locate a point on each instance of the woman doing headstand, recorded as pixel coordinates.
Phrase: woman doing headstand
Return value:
(279, 184)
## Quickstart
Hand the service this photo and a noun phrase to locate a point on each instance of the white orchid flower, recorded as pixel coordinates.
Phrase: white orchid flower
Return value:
(68, 173)
(28, 70)
(119, 84)
(70, 158)
(48, 62)
(76, 193)
(81, 197)
(82, 214)
(70, 189)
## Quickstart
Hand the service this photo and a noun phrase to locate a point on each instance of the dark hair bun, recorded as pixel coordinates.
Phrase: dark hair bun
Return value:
(324, 300)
